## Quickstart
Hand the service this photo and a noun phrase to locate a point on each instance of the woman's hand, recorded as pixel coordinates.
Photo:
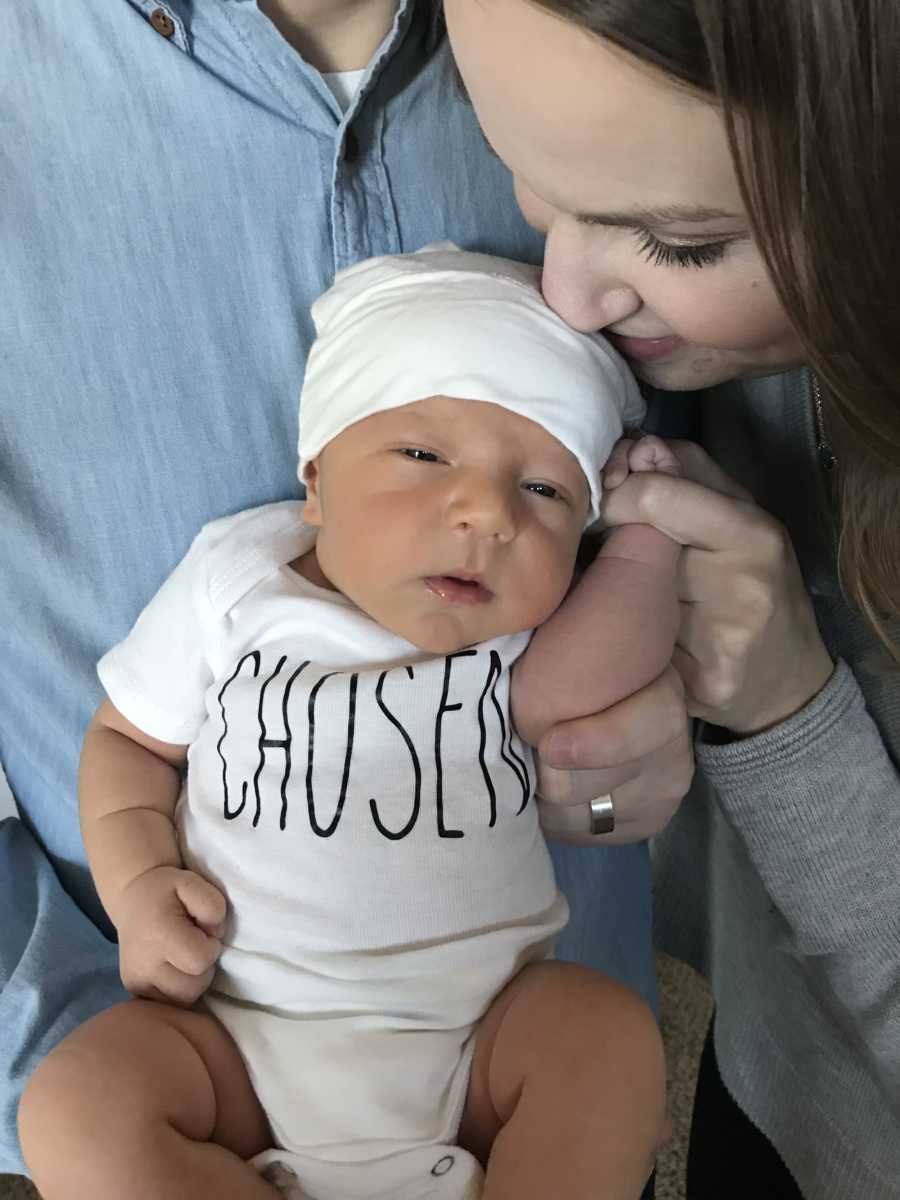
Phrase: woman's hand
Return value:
(638, 750)
(748, 648)
(748, 654)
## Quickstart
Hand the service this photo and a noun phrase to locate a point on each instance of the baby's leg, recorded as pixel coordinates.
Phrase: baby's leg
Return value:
(567, 1094)
(146, 1101)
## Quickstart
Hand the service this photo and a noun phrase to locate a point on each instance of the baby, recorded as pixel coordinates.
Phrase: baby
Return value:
(374, 1011)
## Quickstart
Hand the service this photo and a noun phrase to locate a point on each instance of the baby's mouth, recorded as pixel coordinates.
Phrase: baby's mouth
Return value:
(458, 589)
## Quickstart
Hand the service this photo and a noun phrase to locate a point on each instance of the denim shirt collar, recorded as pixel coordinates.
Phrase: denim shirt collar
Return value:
(233, 36)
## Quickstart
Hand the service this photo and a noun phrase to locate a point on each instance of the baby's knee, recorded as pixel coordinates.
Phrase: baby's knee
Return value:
(593, 1037)
(61, 1106)
(583, 1051)
(589, 1009)
(86, 1096)
(49, 1090)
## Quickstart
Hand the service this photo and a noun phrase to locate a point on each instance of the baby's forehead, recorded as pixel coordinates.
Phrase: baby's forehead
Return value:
(465, 420)
(456, 414)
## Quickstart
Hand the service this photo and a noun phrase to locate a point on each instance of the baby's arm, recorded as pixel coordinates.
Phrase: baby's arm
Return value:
(168, 919)
(615, 631)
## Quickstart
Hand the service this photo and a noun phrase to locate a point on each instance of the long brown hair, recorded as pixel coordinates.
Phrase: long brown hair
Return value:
(810, 93)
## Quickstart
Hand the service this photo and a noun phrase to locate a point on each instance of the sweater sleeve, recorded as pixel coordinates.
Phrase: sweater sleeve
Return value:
(816, 801)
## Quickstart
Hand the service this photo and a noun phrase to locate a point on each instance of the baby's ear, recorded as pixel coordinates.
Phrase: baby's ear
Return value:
(312, 509)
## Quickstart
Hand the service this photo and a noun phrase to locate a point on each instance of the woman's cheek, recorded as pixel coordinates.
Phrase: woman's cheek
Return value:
(708, 312)
(535, 211)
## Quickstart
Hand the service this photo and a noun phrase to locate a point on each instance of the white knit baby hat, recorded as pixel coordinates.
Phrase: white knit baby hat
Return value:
(450, 322)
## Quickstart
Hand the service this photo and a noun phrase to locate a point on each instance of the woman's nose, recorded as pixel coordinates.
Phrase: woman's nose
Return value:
(586, 293)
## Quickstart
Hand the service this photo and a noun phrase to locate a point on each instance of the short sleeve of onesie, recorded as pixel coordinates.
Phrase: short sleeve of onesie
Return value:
(158, 675)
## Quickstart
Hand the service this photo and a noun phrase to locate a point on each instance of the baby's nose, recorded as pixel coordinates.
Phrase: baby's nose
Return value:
(484, 510)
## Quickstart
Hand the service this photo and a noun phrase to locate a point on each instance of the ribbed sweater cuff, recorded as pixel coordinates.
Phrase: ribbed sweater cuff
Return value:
(791, 740)
(816, 801)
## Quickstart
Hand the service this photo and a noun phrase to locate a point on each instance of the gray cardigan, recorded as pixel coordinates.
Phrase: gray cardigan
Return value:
(780, 877)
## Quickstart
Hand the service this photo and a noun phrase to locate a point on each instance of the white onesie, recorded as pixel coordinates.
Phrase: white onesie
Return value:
(369, 813)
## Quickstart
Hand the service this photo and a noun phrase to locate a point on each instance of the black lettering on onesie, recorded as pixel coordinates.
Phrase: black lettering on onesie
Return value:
(256, 698)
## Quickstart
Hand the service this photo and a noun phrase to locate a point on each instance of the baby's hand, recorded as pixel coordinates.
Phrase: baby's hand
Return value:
(169, 922)
(646, 453)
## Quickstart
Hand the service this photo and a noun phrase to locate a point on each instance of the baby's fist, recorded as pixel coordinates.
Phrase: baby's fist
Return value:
(646, 453)
(170, 923)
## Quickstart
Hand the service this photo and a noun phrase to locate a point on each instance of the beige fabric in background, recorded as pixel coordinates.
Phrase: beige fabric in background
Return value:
(685, 1012)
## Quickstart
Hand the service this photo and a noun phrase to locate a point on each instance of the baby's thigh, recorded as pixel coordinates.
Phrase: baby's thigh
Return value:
(139, 1064)
(566, 1035)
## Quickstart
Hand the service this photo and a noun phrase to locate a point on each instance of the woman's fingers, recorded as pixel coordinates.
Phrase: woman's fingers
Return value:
(639, 751)
(750, 652)
(625, 733)
(697, 466)
(644, 802)
(690, 513)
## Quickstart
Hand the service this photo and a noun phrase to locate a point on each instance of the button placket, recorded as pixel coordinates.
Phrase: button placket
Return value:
(350, 149)
(363, 219)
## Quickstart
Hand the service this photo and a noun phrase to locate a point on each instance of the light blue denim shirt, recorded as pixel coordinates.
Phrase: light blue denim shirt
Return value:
(176, 187)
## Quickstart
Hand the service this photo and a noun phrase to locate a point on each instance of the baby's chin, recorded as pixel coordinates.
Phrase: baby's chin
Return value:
(444, 634)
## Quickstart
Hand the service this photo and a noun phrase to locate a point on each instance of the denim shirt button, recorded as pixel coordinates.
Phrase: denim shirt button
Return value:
(350, 151)
(162, 22)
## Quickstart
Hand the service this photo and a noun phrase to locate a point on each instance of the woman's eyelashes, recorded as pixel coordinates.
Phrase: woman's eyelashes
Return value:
(664, 254)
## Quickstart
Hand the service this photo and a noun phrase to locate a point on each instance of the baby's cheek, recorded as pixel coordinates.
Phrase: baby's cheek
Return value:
(547, 584)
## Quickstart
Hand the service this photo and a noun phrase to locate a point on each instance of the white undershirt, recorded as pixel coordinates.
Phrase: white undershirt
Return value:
(344, 85)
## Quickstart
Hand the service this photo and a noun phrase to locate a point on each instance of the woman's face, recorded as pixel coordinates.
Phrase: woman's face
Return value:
(631, 178)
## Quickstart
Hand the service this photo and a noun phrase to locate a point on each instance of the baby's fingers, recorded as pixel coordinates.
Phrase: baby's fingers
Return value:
(190, 950)
(202, 901)
(651, 453)
(616, 469)
(174, 986)
(646, 453)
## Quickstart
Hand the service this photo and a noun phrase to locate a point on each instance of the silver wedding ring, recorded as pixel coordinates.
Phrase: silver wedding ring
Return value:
(603, 815)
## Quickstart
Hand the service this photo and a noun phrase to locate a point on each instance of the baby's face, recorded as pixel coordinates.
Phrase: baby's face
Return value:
(448, 521)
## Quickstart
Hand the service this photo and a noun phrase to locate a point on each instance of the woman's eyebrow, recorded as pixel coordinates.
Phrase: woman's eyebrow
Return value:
(650, 217)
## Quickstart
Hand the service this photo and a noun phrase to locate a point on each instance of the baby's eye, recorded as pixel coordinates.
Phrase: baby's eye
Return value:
(543, 489)
(419, 455)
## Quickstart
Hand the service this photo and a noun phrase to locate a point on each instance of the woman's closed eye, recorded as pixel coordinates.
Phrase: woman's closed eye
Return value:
(666, 254)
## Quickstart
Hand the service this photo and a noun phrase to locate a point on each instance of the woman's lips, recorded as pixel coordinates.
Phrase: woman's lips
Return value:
(458, 591)
(644, 349)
